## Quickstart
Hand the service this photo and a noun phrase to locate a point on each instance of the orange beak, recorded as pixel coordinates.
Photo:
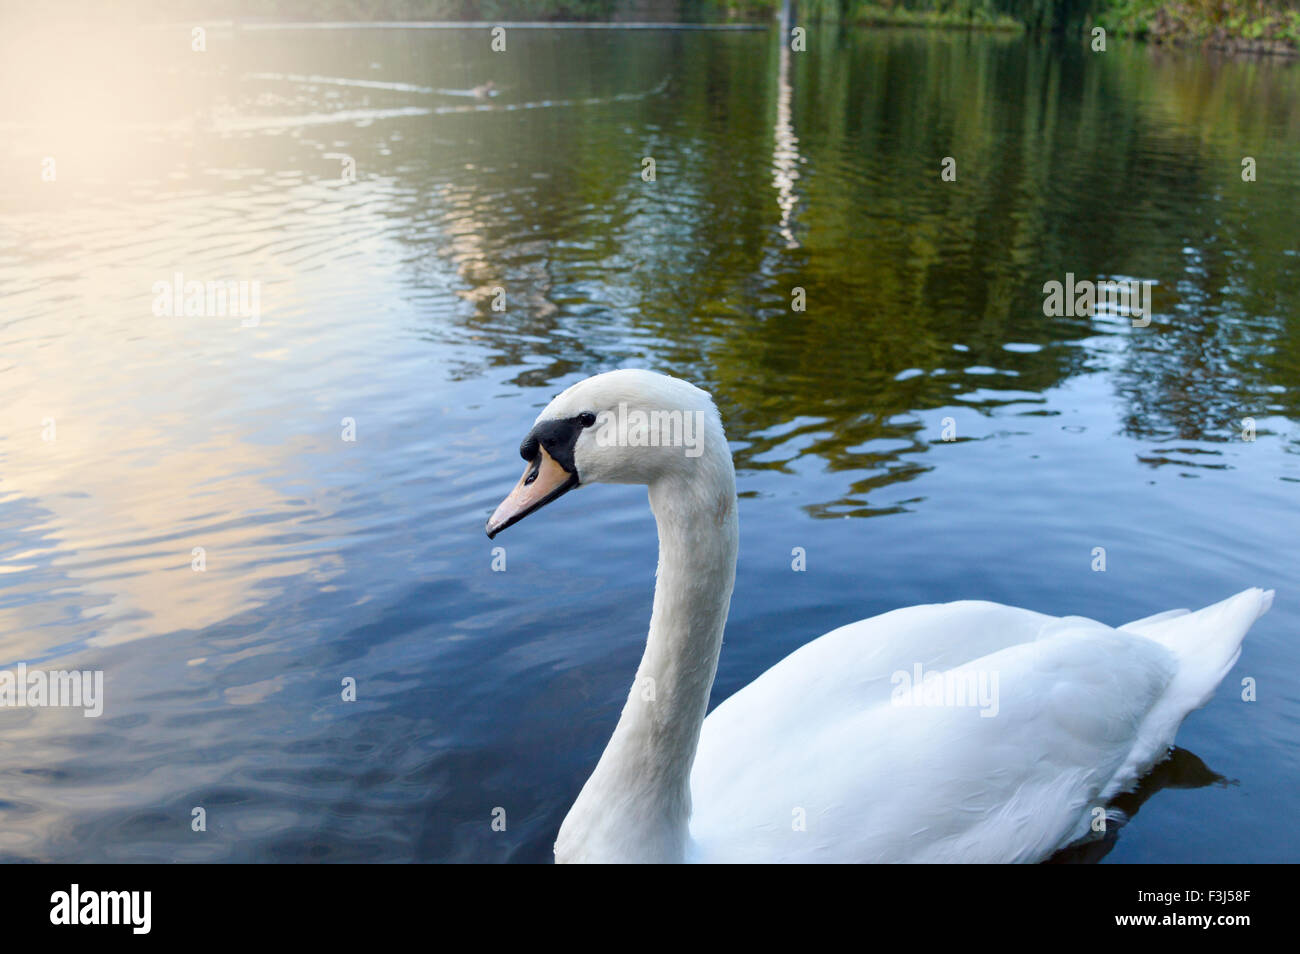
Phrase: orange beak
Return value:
(542, 482)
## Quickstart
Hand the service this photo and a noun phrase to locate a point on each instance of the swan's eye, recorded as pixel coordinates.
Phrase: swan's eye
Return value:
(586, 419)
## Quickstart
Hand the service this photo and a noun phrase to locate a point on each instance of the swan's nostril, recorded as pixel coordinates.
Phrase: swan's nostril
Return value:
(544, 480)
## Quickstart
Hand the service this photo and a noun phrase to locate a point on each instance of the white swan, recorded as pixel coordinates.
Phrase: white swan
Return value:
(817, 759)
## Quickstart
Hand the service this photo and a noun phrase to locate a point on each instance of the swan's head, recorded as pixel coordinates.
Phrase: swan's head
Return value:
(621, 427)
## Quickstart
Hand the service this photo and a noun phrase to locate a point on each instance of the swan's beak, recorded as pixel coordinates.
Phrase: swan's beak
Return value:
(543, 481)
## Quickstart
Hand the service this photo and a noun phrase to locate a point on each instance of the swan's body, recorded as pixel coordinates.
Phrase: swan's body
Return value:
(1083, 711)
(818, 759)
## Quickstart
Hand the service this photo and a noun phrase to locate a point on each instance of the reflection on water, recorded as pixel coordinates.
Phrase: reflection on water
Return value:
(785, 153)
(1181, 770)
(387, 214)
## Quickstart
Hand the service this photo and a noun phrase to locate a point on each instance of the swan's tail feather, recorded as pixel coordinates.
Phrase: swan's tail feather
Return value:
(1206, 643)
(1205, 646)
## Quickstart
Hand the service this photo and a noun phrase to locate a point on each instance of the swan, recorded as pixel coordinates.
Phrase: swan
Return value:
(830, 756)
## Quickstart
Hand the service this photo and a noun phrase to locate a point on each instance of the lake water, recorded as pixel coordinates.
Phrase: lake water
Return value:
(374, 208)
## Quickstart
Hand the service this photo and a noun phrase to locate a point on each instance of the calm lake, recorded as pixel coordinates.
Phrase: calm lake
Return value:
(231, 515)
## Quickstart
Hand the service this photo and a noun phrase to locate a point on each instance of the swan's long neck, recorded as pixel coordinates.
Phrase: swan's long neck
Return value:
(637, 804)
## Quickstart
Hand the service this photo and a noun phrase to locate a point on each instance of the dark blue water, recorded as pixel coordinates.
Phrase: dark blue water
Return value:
(329, 559)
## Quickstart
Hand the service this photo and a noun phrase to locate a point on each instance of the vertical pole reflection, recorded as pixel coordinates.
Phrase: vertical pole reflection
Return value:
(785, 149)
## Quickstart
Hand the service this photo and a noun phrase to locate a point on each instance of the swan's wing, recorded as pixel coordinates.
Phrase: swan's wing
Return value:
(850, 668)
(814, 761)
